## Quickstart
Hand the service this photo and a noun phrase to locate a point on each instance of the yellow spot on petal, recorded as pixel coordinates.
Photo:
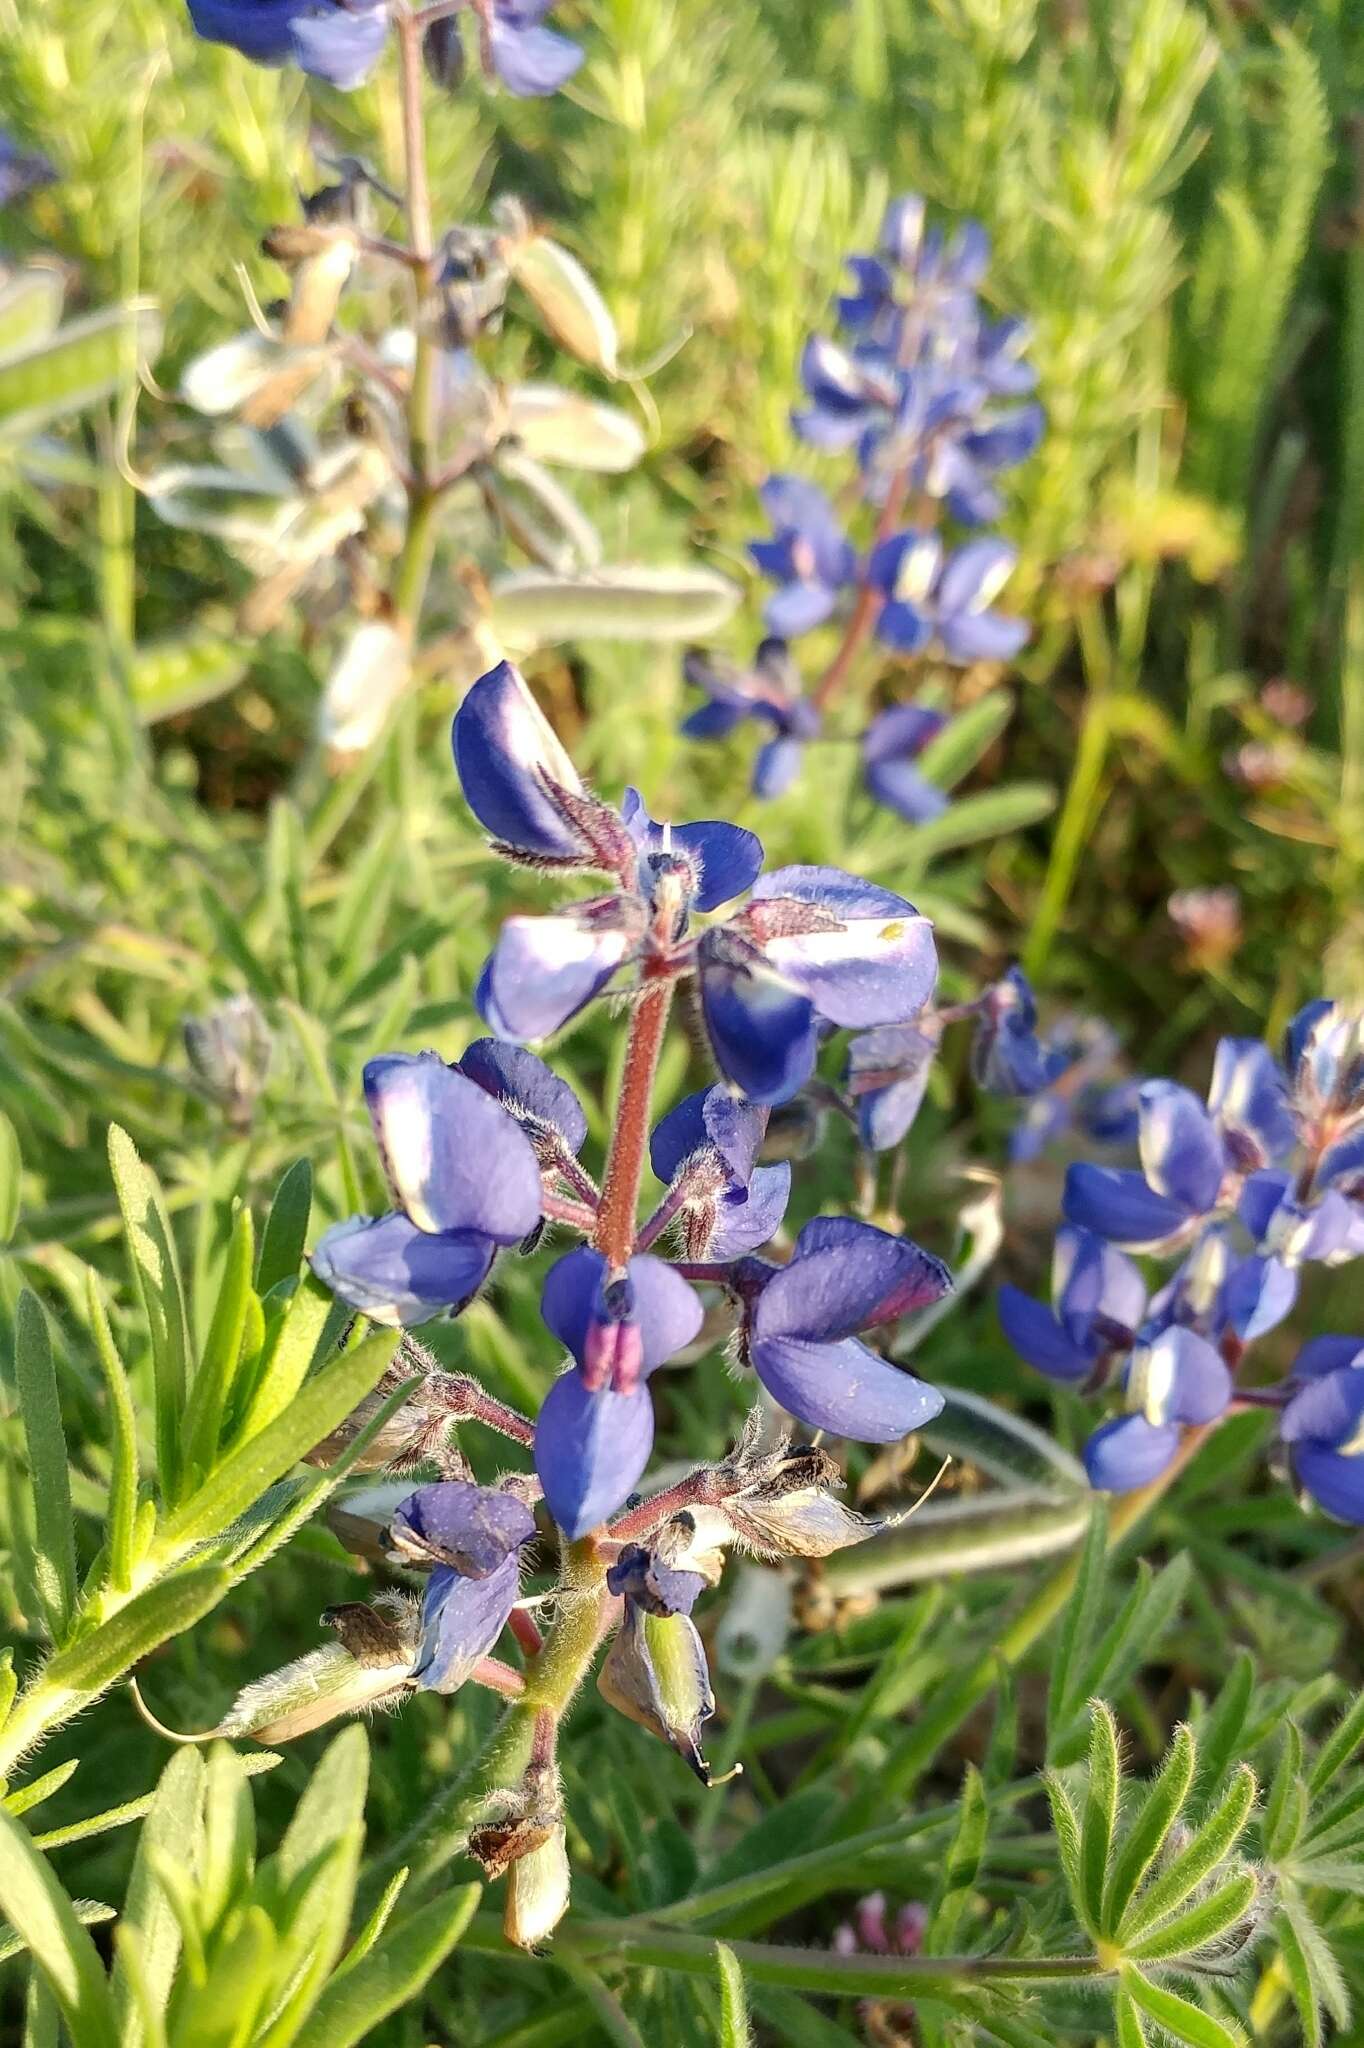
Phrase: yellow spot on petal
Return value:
(893, 930)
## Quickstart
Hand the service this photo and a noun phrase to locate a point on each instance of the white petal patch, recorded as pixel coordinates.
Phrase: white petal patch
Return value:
(1151, 1380)
(531, 740)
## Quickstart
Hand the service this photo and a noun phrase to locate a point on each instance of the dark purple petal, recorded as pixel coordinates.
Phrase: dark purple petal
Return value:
(1181, 1152)
(1118, 1204)
(590, 1450)
(472, 1528)
(714, 721)
(260, 29)
(742, 1227)
(678, 1135)
(1129, 1452)
(762, 1033)
(395, 1273)
(1335, 1480)
(902, 789)
(526, 1088)
(1258, 1294)
(543, 970)
(1010, 438)
(1342, 1165)
(847, 1276)
(339, 45)
(531, 62)
(1092, 1284)
(844, 1388)
(901, 733)
(1038, 1338)
(638, 1574)
(1320, 1355)
(455, 1160)
(505, 748)
(461, 1620)
(903, 627)
(711, 1118)
(727, 857)
(1260, 1200)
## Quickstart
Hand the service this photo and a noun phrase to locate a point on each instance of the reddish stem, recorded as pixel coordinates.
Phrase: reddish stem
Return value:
(461, 1398)
(701, 1488)
(863, 615)
(522, 1625)
(576, 1214)
(498, 1677)
(614, 1235)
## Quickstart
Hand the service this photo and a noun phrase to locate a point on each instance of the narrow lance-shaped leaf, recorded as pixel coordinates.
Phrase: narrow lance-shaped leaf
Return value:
(1286, 1805)
(119, 1535)
(1338, 1747)
(394, 1971)
(1151, 1824)
(54, 1561)
(286, 1228)
(1207, 1921)
(961, 1866)
(112, 1649)
(1181, 2020)
(734, 2027)
(156, 1267)
(41, 1914)
(11, 1166)
(1077, 1626)
(1100, 1815)
(172, 1828)
(211, 1389)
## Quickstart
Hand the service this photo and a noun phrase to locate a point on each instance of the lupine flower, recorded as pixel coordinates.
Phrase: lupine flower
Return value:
(596, 1426)
(22, 170)
(809, 556)
(768, 692)
(341, 41)
(891, 747)
(464, 1178)
(705, 1151)
(230, 1051)
(1194, 1161)
(1323, 1425)
(851, 394)
(800, 1324)
(887, 1077)
(933, 600)
(812, 946)
(472, 1536)
(1076, 1052)
(1007, 1056)
(1098, 1298)
(1177, 1379)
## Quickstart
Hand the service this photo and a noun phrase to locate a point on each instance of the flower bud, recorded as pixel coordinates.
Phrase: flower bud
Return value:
(370, 1666)
(229, 1050)
(537, 1891)
(656, 1674)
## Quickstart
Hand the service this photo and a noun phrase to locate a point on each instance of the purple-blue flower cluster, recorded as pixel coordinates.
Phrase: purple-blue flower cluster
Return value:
(1247, 1189)
(481, 1154)
(341, 41)
(932, 398)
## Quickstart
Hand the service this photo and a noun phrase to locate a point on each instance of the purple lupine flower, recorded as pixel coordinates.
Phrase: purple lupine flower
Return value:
(472, 1536)
(800, 1325)
(464, 1178)
(22, 170)
(809, 556)
(768, 692)
(1098, 1297)
(642, 1574)
(1077, 1051)
(1177, 1379)
(1194, 1160)
(705, 1151)
(812, 947)
(341, 41)
(812, 944)
(851, 393)
(1323, 1425)
(596, 1427)
(1324, 1054)
(887, 1077)
(944, 601)
(1007, 1056)
(545, 1107)
(891, 746)
(1222, 1293)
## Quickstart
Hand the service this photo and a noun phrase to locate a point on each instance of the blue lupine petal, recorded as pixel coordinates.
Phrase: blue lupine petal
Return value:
(678, 1135)
(885, 1113)
(902, 789)
(1335, 1480)
(260, 29)
(340, 46)
(1118, 1204)
(901, 732)
(742, 1227)
(1094, 1283)
(762, 1033)
(666, 1310)
(1342, 1165)
(639, 1574)
(982, 636)
(1260, 1199)
(713, 721)
(972, 574)
(1129, 1452)
(504, 747)
(1301, 1029)
(531, 62)
(798, 607)
(454, 1158)
(1011, 438)
(1249, 1100)
(1038, 1338)
(776, 766)
(878, 965)
(1257, 1296)
(844, 1388)
(1320, 1355)
(590, 1450)
(1326, 1410)
(903, 627)
(395, 1273)
(543, 970)
(525, 1087)
(461, 1620)
(729, 857)
(1181, 1153)
(847, 1276)
(473, 1528)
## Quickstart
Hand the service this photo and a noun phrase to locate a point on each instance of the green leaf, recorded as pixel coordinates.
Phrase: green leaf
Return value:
(1065, 1824)
(1100, 1814)
(964, 739)
(1133, 1635)
(11, 1171)
(1286, 1804)
(394, 1971)
(23, 1798)
(1301, 1983)
(211, 1391)
(135, 1809)
(54, 1559)
(151, 1247)
(227, 1856)
(83, 362)
(1339, 1747)
(1298, 1929)
(122, 1515)
(30, 307)
(90, 1913)
(1145, 1838)
(173, 1827)
(41, 1915)
(286, 1228)
(1211, 1845)
(986, 815)
(1183, 2021)
(96, 1660)
(1201, 1924)
(1221, 1728)
(1064, 1693)
(734, 2027)
(245, 1474)
(532, 608)
(1130, 2032)
(168, 677)
(961, 1866)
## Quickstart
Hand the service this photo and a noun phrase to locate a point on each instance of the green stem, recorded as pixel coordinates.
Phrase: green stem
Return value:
(1073, 826)
(414, 563)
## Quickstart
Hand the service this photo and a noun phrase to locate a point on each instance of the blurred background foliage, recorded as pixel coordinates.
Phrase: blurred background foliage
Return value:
(1176, 193)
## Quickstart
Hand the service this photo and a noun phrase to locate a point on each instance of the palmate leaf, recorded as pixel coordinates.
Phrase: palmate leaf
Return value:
(1210, 1846)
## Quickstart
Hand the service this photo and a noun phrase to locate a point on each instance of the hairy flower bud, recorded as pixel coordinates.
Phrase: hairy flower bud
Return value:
(655, 1673)
(229, 1050)
(537, 1891)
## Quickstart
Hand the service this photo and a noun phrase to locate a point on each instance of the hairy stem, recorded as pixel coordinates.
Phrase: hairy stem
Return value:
(614, 1235)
